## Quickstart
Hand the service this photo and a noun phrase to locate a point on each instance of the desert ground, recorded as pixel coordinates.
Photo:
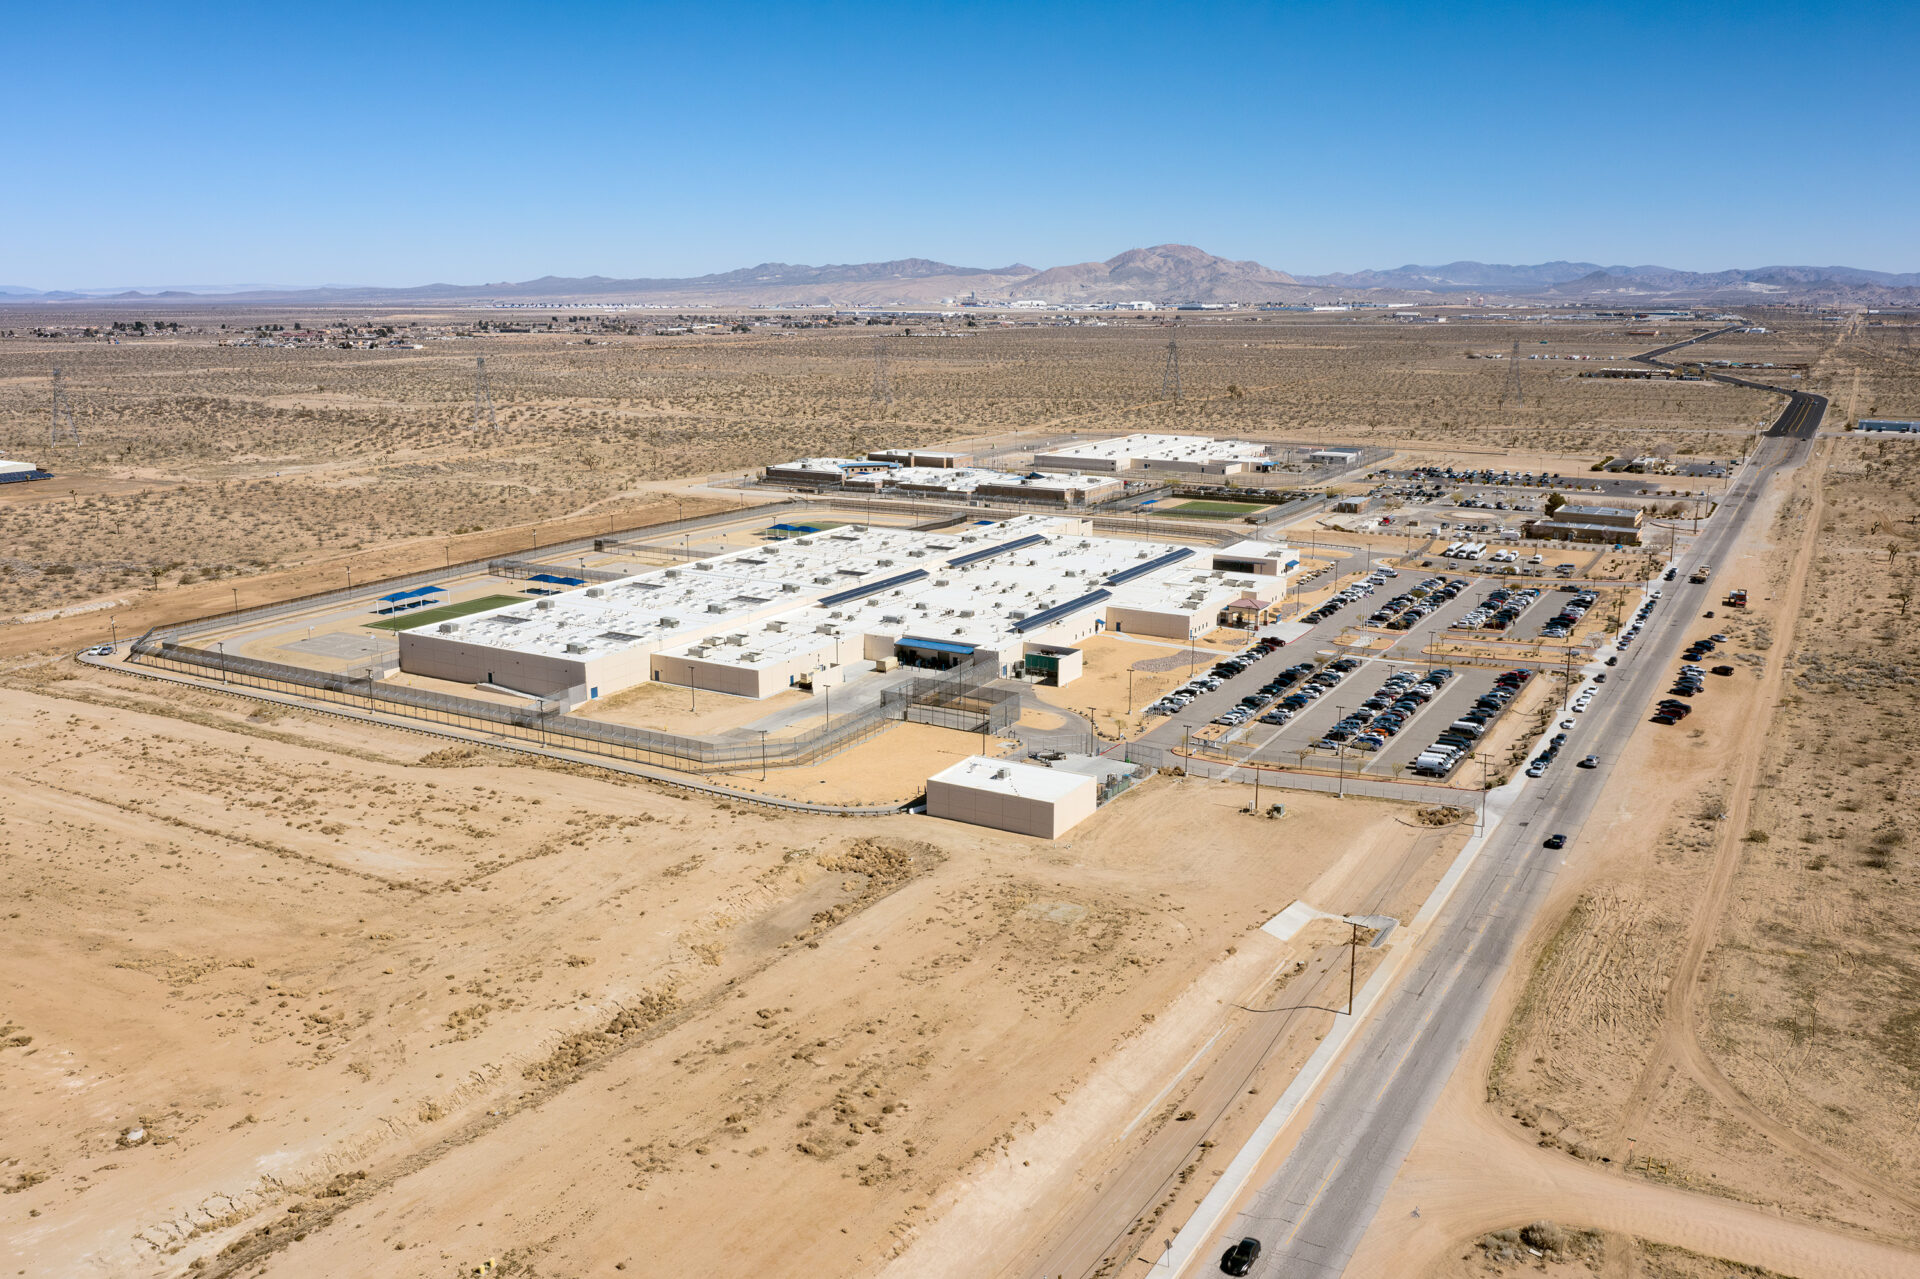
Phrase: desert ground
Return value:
(1724, 1004)
(200, 462)
(289, 994)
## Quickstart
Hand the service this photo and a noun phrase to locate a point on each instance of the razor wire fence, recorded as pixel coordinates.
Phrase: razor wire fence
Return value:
(961, 699)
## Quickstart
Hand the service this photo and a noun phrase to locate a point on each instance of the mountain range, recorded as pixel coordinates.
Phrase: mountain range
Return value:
(1166, 274)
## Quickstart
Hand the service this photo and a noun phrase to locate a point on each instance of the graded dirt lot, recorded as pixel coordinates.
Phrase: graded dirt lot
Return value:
(399, 1006)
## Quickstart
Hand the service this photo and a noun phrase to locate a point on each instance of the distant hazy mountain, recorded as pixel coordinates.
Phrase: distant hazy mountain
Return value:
(1167, 274)
(1460, 276)
(1815, 284)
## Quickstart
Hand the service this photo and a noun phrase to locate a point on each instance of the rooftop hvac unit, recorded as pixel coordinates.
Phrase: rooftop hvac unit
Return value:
(966, 612)
(703, 564)
(776, 625)
(594, 592)
(826, 628)
(790, 588)
(673, 572)
(448, 628)
(922, 606)
(543, 604)
(698, 650)
(890, 619)
(575, 646)
(939, 581)
(669, 621)
(716, 608)
(884, 563)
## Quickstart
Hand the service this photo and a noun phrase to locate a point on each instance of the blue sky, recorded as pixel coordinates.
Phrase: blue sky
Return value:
(195, 143)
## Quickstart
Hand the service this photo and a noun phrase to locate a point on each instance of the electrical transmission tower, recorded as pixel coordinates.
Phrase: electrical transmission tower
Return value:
(882, 378)
(1170, 375)
(61, 427)
(482, 398)
(1513, 389)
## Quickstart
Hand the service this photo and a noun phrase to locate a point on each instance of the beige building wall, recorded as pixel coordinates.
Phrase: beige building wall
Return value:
(1163, 623)
(1040, 818)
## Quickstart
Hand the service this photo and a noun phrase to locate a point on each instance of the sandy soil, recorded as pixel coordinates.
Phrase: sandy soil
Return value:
(1637, 1089)
(317, 950)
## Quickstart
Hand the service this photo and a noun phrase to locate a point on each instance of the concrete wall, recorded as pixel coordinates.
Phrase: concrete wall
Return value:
(1040, 818)
(727, 677)
(1164, 623)
(445, 657)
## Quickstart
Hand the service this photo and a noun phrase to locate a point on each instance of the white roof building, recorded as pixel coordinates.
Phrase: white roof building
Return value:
(1027, 799)
(754, 621)
(1195, 454)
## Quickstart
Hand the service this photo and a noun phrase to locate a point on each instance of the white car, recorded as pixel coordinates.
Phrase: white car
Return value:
(100, 650)
(1567, 723)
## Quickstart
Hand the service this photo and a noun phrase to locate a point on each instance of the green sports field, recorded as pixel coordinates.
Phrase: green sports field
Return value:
(1214, 510)
(445, 613)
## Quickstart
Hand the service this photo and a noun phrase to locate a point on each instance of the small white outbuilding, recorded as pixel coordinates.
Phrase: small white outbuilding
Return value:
(1027, 799)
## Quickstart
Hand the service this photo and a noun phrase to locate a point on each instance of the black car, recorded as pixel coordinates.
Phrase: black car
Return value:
(1556, 841)
(1239, 1259)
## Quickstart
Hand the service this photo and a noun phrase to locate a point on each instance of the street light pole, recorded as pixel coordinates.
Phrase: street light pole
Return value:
(763, 754)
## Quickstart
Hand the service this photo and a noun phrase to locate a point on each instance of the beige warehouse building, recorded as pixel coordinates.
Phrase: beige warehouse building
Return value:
(1024, 798)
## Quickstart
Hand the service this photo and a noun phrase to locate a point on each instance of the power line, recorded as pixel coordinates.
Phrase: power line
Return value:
(61, 425)
(482, 397)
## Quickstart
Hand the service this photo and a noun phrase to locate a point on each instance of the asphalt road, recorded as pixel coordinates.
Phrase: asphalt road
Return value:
(1312, 1213)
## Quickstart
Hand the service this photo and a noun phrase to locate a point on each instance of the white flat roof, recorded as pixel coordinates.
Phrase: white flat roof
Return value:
(1165, 448)
(773, 603)
(1251, 549)
(1006, 777)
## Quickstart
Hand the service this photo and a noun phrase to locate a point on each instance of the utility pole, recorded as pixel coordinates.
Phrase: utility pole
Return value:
(61, 428)
(1353, 964)
(882, 379)
(1513, 390)
(482, 398)
(1170, 375)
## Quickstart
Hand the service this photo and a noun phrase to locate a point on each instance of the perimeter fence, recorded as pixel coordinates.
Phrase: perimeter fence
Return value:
(960, 699)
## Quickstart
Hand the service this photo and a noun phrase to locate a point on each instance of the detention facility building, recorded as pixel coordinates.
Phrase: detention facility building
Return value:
(1016, 596)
